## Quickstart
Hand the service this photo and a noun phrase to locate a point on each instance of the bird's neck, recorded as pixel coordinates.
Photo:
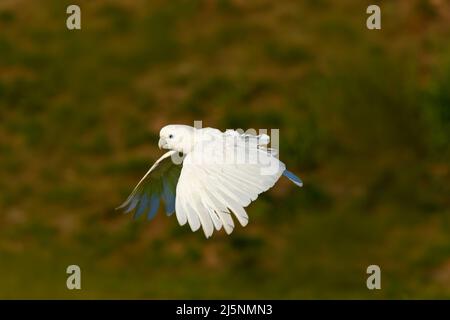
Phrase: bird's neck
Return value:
(188, 143)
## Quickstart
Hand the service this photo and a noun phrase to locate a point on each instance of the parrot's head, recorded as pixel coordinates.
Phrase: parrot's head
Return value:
(176, 137)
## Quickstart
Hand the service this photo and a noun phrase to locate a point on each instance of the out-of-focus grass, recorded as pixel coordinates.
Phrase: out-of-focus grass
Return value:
(363, 117)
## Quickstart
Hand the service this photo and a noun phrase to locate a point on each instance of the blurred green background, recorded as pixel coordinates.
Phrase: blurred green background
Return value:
(364, 119)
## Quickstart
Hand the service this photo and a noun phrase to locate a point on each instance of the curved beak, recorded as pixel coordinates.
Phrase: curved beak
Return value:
(162, 143)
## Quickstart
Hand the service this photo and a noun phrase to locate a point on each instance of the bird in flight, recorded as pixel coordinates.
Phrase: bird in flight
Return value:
(207, 176)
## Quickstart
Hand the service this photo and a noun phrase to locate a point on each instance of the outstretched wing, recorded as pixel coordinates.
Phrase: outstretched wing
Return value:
(210, 188)
(160, 181)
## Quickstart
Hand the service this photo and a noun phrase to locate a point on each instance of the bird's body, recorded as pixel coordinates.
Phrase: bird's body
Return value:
(217, 175)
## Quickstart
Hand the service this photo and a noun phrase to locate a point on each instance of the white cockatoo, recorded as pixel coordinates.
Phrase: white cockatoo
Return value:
(207, 176)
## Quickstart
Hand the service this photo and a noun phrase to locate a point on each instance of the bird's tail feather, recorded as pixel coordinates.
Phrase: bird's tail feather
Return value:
(293, 178)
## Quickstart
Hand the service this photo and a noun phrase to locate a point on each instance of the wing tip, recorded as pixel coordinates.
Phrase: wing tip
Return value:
(122, 206)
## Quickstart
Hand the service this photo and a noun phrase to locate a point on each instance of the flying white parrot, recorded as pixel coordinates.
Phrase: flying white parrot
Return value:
(206, 176)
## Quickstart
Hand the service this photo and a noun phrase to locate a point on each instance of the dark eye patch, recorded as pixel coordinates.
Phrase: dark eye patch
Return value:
(170, 136)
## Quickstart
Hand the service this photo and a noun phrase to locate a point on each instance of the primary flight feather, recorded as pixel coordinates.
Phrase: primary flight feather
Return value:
(207, 176)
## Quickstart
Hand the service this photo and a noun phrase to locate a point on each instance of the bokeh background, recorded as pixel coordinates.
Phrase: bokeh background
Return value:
(364, 119)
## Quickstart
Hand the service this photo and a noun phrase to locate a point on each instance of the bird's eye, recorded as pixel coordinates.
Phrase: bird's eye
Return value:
(170, 136)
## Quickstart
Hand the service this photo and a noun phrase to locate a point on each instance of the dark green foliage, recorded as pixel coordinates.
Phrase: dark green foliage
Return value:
(364, 120)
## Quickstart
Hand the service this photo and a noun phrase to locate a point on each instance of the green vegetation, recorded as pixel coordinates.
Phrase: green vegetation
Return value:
(364, 119)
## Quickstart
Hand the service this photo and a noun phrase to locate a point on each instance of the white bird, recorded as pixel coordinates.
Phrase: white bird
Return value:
(207, 176)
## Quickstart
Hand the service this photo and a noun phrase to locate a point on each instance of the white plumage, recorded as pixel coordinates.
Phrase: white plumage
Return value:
(217, 176)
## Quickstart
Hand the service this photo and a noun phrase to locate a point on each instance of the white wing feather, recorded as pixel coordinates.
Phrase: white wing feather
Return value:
(209, 190)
